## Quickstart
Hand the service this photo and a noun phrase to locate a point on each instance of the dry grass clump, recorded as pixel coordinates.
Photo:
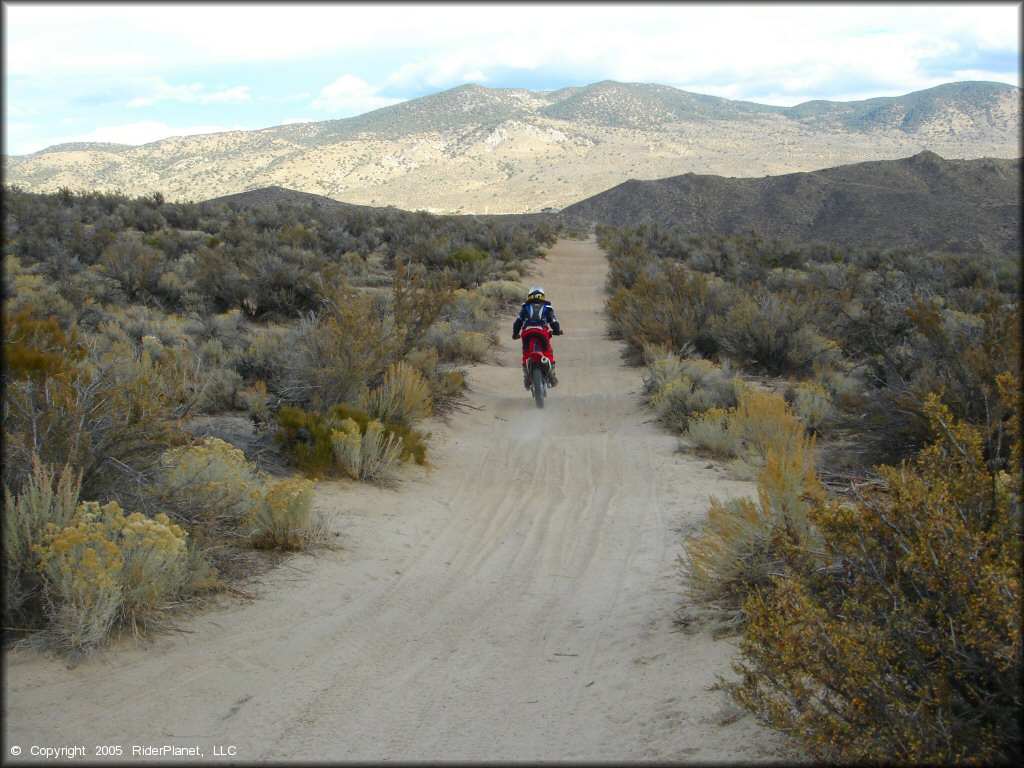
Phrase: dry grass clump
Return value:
(402, 397)
(284, 518)
(746, 541)
(372, 453)
(48, 498)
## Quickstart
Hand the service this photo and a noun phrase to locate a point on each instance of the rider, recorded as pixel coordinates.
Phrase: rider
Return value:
(537, 312)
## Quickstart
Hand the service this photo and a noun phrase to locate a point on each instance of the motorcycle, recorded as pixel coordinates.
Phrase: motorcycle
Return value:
(538, 358)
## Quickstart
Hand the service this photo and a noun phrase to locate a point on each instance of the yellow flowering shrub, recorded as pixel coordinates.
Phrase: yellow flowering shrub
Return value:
(906, 649)
(284, 519)
(763, 419)
(210, 481)
(106, 568)
(156, 564)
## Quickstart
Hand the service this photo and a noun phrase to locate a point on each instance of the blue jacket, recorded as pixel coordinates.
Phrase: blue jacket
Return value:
(536, 314)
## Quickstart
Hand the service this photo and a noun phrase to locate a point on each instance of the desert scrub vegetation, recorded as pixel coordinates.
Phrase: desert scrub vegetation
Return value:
(679, 388)
(283, 517)
(347, 441)
(49, 498)
(894, 325)
(130, 323)
(878, 615)
(746, 542)
(208, 483)
(105, 569)
(907, 647)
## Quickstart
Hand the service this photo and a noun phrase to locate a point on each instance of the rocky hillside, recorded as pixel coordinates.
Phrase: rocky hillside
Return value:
(952, 205)
(478, 150)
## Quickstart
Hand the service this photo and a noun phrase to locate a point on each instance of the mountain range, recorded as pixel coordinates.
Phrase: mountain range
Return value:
(478, 150)
(926, 201)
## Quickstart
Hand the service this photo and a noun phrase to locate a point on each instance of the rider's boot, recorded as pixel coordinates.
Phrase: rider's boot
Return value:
(552, 378)
(526, 377)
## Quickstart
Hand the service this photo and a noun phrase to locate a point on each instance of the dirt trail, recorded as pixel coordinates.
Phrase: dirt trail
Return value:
(514, 602)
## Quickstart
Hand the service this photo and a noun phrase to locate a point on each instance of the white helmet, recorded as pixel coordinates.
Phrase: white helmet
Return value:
(535, 293)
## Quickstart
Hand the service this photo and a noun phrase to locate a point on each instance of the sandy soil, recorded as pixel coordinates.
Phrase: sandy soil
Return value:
(514, 602)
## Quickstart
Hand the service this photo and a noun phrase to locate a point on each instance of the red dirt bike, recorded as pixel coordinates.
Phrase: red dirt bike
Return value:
(538, 359)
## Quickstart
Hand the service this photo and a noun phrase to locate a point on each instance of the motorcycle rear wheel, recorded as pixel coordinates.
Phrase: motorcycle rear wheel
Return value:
(538, 387)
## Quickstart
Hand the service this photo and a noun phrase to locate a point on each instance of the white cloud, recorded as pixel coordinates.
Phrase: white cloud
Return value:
(351, 95)
(156, 90)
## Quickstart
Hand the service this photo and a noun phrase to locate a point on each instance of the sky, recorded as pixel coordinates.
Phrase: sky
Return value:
(138, 72)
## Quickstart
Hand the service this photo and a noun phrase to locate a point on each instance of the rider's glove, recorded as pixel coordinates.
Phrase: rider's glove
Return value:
(515, 336)
(558, 332)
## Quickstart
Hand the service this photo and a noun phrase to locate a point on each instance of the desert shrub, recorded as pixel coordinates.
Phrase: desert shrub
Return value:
(308, 438)
(263, 357)
(678, 388)
(670, 307)
(762, 419)
(663, 366)
(221, 383)
(812, 403)
(256, 402)
(209, 482)
(771, 331)
(453, 344)
(402, 397)
(108, 410)
(227, 328)
(105, 569)
(284, 518)
(908, 647)
(469, 345)
(470, 266)
(371, 453)
(329, 355)
(677, 401)
(137, 321)
(446, 383)
(156, 568)
(25, 287)
(711, 431)
(506, 294)
(47, 498)
(133, 265)
(470, 311)
(746, 541)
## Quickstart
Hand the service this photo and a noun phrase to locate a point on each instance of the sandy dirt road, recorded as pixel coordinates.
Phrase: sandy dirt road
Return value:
(513, 602)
